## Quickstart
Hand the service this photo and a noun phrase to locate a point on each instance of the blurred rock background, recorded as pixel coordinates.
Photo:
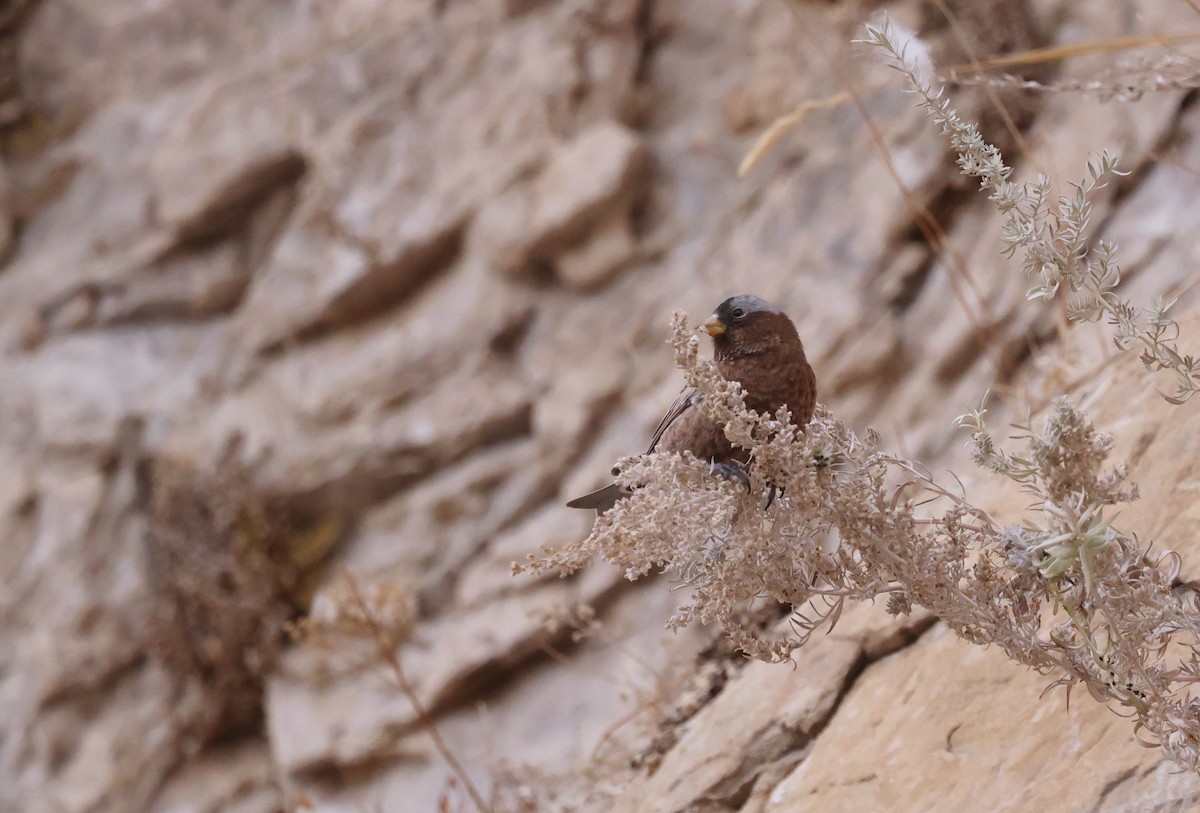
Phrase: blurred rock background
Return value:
(289, 286)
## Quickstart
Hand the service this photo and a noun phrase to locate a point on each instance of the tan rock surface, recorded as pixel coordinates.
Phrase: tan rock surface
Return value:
(408, 265)
(944, 726)
(768, 712)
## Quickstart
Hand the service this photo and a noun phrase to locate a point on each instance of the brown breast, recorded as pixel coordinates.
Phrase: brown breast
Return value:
(778, 377)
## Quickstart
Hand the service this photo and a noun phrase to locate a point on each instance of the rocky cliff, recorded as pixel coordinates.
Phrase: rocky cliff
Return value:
(289, 287)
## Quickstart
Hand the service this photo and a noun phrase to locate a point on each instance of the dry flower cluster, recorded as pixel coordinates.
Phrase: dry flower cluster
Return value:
(1067, 593)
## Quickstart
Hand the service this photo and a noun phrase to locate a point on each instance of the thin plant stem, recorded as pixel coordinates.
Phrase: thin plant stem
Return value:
(387, 650)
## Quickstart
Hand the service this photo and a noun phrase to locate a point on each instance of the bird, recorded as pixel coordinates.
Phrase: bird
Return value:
(756, 345)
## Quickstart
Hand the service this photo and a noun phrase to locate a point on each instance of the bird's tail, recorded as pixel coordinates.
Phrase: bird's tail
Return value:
(601, 499)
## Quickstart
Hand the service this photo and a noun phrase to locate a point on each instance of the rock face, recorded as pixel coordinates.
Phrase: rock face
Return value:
(288, 287)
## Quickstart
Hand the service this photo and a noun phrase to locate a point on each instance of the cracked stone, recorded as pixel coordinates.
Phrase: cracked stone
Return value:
(935, 731)
(766, 711)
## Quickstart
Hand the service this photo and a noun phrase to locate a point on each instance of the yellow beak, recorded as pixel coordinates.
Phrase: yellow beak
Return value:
(714, 326)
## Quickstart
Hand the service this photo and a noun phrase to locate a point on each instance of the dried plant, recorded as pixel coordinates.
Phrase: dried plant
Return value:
(1052, 239)
(215, 568)
(1128, 82)
(367, 621)
(1067, 593)
(384, 613)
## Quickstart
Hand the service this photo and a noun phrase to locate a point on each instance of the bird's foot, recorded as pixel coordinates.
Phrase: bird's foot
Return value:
(772, 490)
(731, 471)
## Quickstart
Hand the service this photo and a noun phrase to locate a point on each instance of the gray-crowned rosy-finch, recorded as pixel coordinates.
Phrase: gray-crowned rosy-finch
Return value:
(755, 344)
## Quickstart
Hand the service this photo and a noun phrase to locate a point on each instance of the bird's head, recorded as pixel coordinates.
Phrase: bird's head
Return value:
(744, 325)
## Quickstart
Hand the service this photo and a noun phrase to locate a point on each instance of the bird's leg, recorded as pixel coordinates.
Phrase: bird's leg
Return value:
(772, 490)
(731, 471)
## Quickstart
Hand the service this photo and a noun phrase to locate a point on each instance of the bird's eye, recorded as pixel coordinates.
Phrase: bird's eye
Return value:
(738, 314)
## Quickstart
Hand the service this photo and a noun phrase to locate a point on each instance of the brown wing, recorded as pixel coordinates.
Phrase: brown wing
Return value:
(605, 498)
(685, 401)
(601, 499)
